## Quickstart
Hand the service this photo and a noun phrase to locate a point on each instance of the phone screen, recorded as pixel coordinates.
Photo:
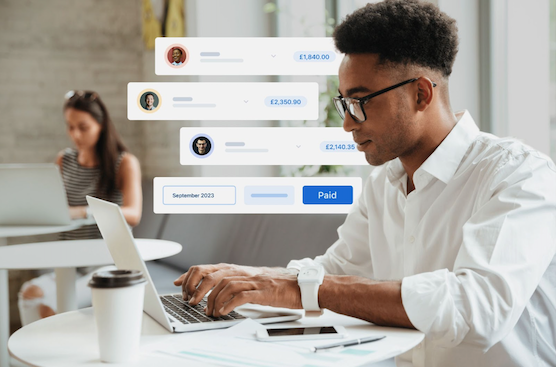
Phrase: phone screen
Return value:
(302, 331)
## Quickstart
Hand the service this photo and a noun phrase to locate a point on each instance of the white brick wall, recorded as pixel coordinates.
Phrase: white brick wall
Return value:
(48, 48)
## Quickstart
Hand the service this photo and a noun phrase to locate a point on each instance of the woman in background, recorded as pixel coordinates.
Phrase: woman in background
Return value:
(99, 166)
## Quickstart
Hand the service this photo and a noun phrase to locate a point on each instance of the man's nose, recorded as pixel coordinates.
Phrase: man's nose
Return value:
(350, 124)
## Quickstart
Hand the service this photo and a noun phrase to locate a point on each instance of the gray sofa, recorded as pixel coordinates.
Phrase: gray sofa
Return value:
(247, 239)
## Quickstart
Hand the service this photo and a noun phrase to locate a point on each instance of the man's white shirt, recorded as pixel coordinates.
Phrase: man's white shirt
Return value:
(474, 245)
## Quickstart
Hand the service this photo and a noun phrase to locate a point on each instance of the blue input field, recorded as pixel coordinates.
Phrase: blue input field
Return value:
(269, 195)
(327, 195)
(198, 195)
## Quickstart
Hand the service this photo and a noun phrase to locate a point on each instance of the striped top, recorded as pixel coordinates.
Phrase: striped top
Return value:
(80, 181)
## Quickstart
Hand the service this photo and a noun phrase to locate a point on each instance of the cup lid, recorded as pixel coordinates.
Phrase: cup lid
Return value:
(116, 279)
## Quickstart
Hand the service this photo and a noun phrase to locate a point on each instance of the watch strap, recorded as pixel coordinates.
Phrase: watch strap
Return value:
(310, 299)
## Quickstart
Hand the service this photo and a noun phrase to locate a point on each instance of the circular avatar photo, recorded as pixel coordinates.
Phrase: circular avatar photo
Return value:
(176, 56)
(149, 101)
(201, 146)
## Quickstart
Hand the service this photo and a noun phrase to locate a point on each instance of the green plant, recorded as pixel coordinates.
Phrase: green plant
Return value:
(331, 117)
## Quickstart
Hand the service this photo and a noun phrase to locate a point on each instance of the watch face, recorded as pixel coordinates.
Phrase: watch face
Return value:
(310, 275)
(312, 272)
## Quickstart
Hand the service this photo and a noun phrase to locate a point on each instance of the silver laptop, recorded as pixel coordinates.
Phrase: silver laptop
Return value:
(170, 311)
(32, 195)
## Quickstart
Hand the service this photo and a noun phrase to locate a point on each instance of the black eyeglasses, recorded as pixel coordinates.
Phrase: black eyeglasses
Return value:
(354, 106)
(83, 94)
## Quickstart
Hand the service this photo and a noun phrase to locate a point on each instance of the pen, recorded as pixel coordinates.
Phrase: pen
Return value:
(348, 343)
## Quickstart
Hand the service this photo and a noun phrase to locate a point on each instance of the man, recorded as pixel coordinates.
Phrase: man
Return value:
(455, 231)
(149, 102)
(201, 145)
(176, 56)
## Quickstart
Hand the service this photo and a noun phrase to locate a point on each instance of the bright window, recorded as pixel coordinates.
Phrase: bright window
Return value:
(552, 102)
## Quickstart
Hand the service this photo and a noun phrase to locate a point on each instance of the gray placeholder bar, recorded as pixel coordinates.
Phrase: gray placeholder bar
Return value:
(221, 60)
(235, 144)
(182, 99)
(210, 53)
(194, 105)
(246, 150)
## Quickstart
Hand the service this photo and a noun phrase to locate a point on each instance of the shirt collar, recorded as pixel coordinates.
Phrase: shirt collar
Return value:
(444, 161)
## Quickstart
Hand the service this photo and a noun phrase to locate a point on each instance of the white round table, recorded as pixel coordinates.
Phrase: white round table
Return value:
(65, 256)
(18, 231)
(70, 339)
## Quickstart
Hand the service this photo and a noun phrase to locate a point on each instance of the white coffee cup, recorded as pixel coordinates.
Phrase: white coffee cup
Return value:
(118, 308)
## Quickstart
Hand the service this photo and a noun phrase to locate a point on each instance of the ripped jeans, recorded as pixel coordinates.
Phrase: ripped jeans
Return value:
(29, 308)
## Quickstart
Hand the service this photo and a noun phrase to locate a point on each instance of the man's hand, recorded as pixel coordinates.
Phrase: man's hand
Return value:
(268, 290)
(200, 279)
(240, 284)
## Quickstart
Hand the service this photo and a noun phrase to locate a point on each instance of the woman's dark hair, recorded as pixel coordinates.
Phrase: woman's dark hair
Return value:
(403, 32)
(179, 49)
(109, 145)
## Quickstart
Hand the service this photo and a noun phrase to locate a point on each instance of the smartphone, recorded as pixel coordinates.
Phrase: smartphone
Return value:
(301, 333)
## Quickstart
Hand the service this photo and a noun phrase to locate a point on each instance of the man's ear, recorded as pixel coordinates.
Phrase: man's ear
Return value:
(425, 93)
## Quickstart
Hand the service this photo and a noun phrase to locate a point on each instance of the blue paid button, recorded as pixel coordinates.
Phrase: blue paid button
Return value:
(327, 195)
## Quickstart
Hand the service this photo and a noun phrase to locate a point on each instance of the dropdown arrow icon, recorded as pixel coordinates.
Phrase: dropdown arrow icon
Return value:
(245, 100)
(299, 146)
(273, 55)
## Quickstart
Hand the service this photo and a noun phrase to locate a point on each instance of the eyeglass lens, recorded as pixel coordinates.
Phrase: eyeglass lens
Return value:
(354, 109)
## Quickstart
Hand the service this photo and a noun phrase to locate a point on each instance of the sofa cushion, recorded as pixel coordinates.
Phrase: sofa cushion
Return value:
(249, 239)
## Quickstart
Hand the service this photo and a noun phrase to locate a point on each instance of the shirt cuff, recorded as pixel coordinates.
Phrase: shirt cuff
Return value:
(432, 302)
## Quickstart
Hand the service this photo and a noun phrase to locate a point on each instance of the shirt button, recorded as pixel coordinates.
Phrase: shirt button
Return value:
(411, 239)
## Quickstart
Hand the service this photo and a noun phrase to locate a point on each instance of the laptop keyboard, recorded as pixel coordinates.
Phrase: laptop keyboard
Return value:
(187, 314)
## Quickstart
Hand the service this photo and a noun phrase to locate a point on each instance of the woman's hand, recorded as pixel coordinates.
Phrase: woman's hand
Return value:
(78, 212)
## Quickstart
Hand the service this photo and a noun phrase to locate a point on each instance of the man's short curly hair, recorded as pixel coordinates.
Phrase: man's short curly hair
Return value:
(401, 31)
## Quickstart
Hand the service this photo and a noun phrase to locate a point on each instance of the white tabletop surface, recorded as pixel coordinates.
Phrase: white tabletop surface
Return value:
(70, 339)
(77, 253)
(17, 231)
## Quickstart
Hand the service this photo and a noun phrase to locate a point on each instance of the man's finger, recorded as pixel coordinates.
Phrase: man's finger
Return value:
(223, 282)
(233, 289)
(252, 296)
(189, 286)
(181, 281)
(207, 283)
(178, 281)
